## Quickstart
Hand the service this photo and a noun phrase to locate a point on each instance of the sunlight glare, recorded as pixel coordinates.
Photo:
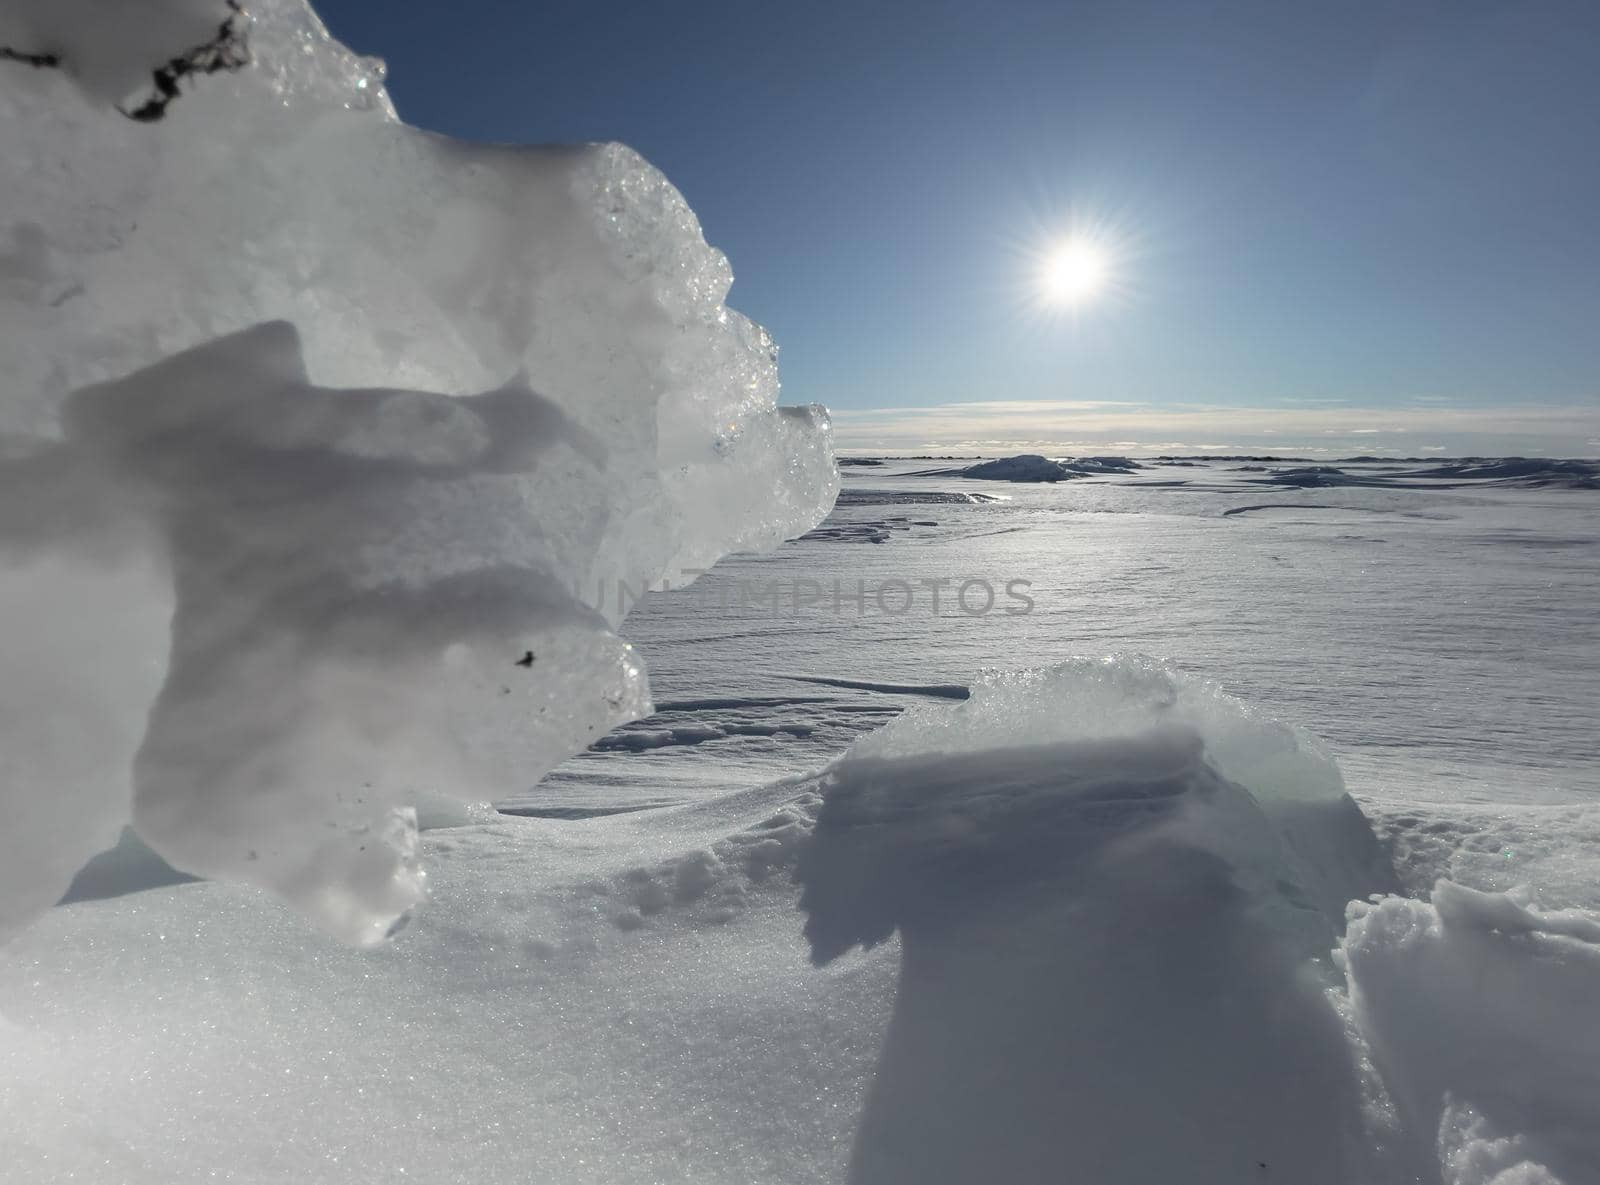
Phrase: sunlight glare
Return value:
(1074, 272)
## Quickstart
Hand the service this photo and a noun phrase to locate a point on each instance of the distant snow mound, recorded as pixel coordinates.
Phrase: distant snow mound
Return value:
(1103, 465)
(1518, 472)
(320, 433)
(1027, 467)
(1314, 477)
(1523, 471)
(1030, 467)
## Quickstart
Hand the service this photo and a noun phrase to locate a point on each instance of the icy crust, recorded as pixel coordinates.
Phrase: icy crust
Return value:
(391, 426)
(1032, 777)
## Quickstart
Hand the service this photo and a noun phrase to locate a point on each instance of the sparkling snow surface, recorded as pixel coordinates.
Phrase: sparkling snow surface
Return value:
(629, 997)
(283, 497)
(1444, 643)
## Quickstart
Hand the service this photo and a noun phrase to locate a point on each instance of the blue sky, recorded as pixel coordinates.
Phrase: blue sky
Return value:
(1342, 227)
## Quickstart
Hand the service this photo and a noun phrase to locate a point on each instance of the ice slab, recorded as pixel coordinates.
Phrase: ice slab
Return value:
(390, 426)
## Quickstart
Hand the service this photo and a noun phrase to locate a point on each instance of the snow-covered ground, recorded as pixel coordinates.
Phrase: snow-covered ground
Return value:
(1467, 614)
(982, 832)
(621, 997)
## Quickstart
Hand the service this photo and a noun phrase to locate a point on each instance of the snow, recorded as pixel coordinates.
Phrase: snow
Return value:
(586, 1025)
(1030, 467)
(1480, 1011)
(368, 414)
(1102, 947)
(1124, 857)
(1039, 770)
(1510, 472)
(332, 458)
(1519, 472)
(619, 997)
(1532, 472)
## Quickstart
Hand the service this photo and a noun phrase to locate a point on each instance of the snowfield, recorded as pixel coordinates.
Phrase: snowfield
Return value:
(335, 461)
(1099, 947)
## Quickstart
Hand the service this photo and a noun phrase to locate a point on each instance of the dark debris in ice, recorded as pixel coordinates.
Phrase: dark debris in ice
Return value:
(228, 50)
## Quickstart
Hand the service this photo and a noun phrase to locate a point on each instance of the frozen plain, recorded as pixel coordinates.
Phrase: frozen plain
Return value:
(627, 997)
(1099, 902)
(1467, 613)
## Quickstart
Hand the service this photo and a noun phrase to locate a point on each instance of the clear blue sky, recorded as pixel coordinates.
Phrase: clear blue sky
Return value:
(1345, 220)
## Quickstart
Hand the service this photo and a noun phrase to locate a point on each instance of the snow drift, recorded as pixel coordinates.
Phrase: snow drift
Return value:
(369, 415)
(1481, 1014)
(1112, 886)
(1030, 467)
(1113, 893)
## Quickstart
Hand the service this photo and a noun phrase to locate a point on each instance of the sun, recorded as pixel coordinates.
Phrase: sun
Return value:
(1074, 272)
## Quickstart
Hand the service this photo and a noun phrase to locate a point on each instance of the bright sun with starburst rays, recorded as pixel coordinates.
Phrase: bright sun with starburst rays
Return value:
(1074, 271)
